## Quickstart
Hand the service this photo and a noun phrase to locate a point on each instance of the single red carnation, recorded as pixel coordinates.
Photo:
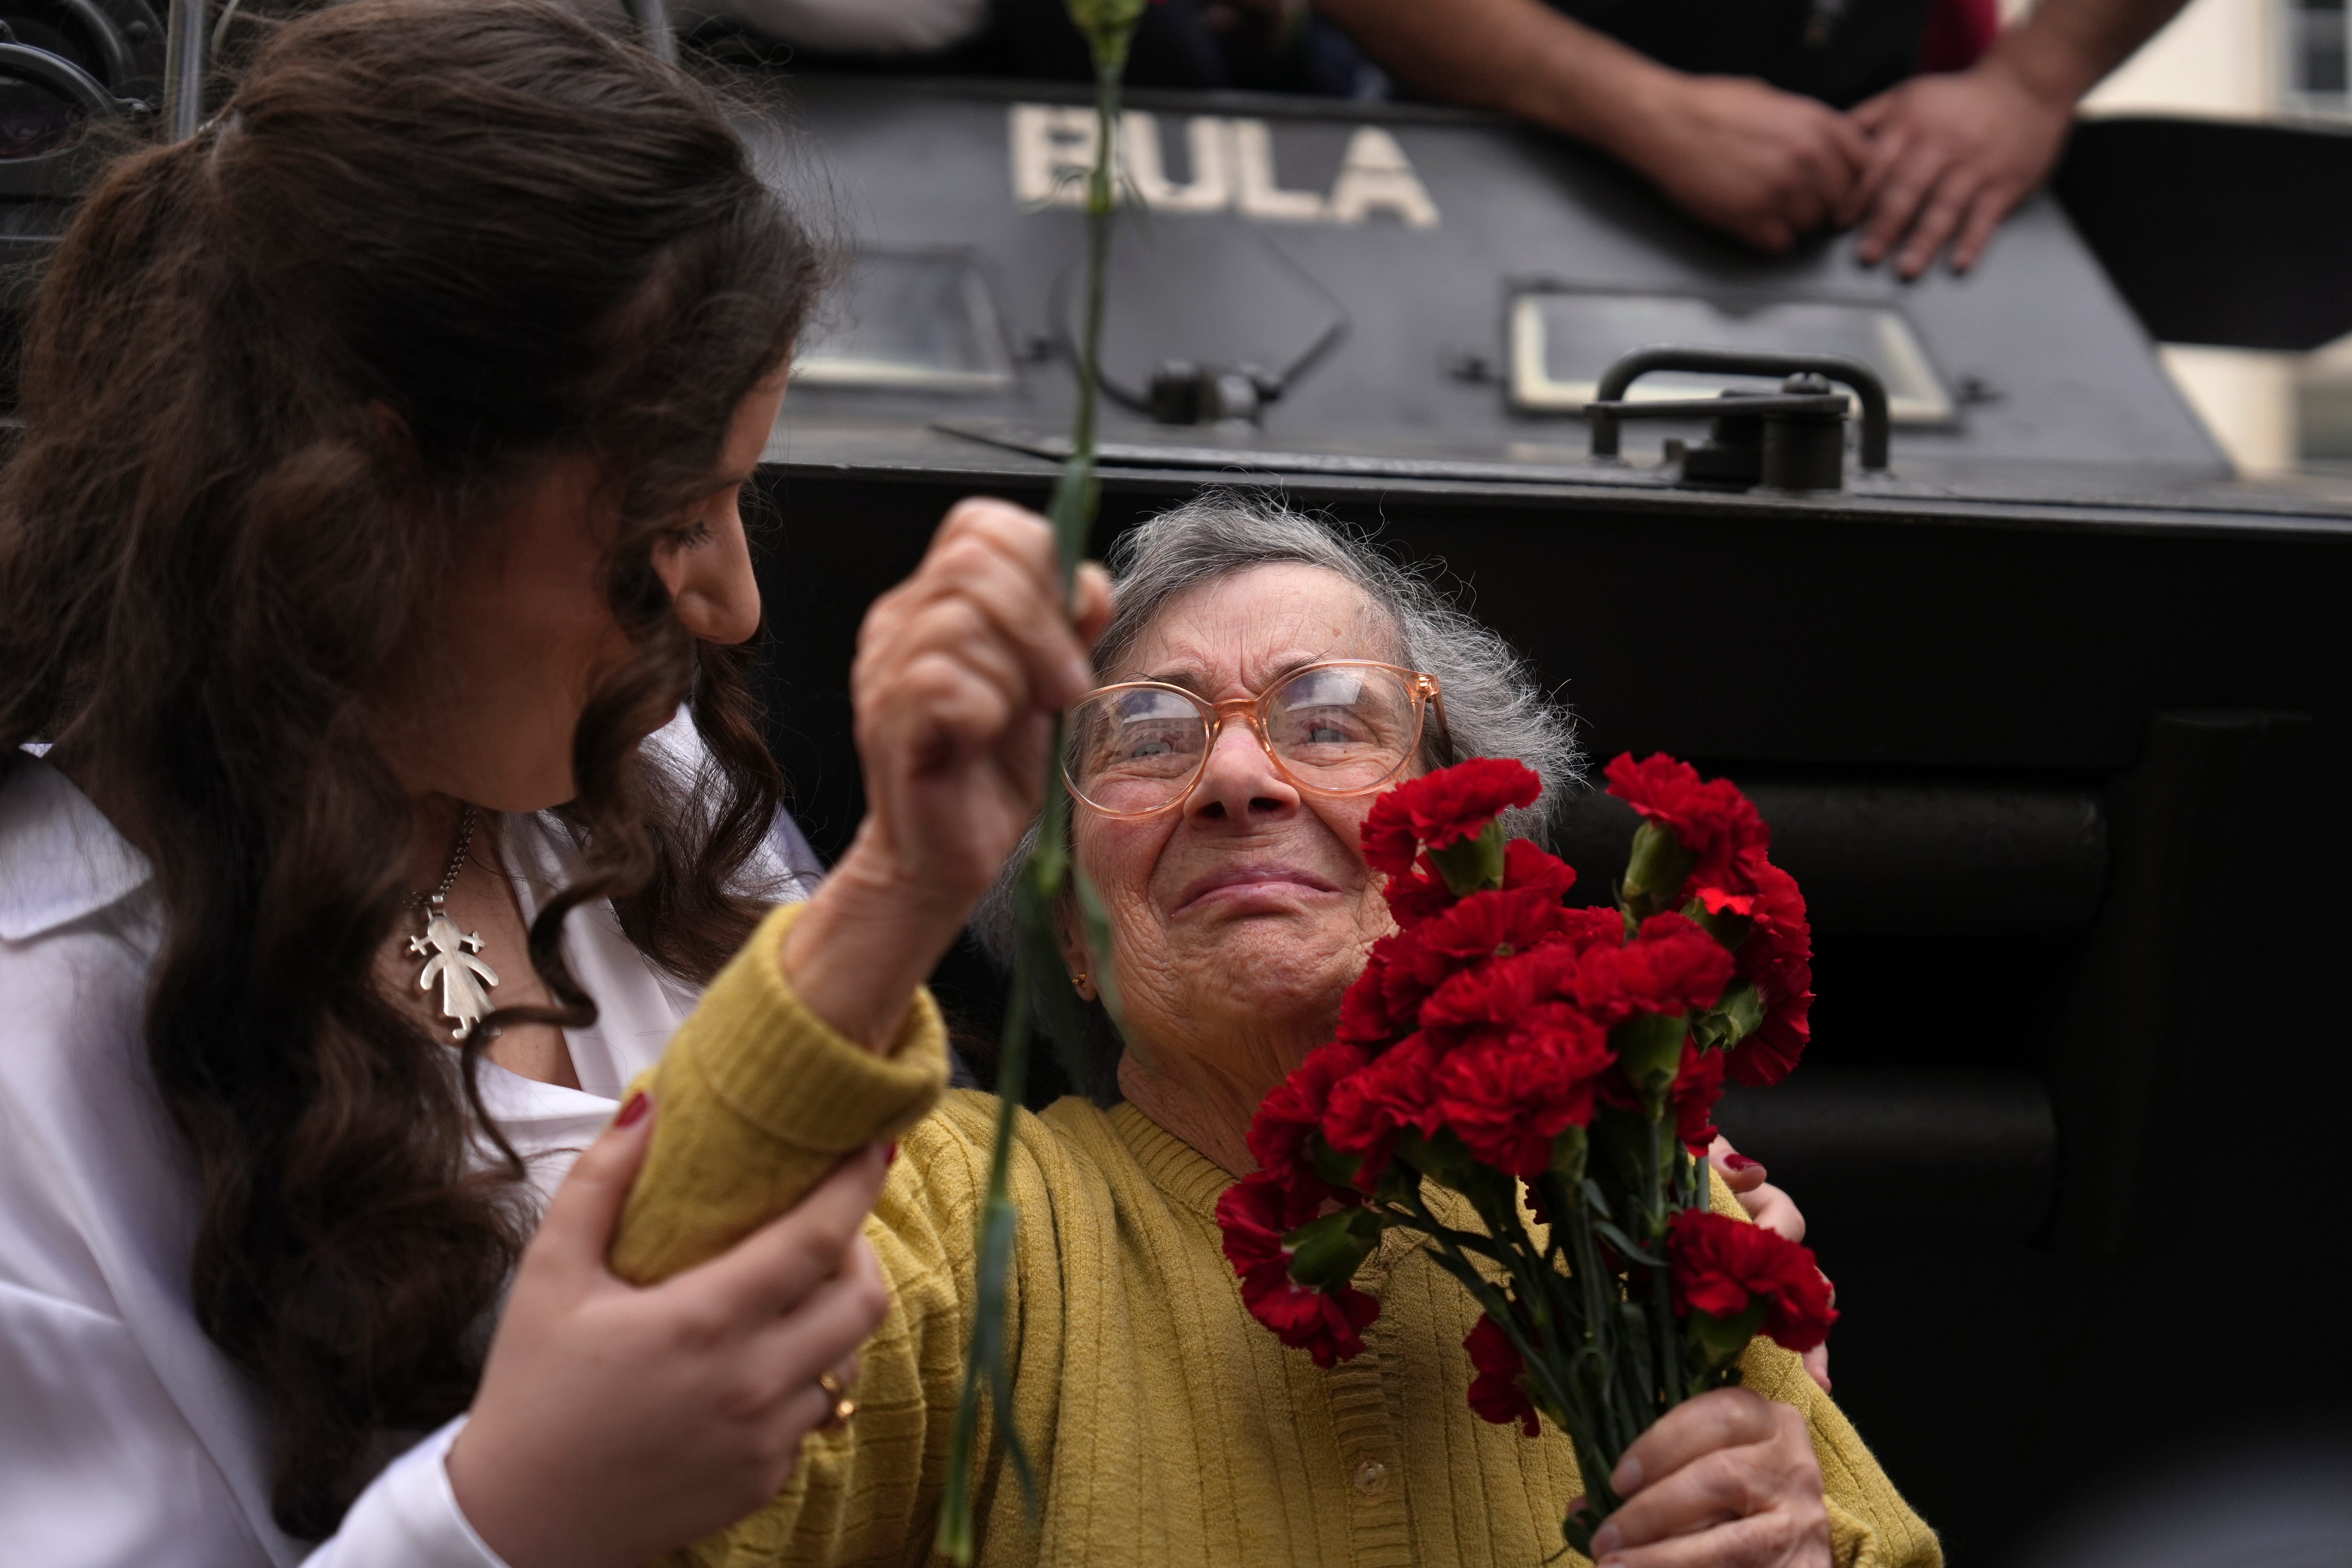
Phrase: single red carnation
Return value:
(1773, 1052)
(1777, 956)
(1671, 966)
(1369, 1109)
(1584, 930)
(1441, 809)
(1249, 1212)
(1329, 1324)
(1414, 895)
(1733, 878)
(1363, 1022)
(1417, 897)
(1773, 901)
(1409, 972)
(1722, 1266)
(1695, 1089)
(1495, 992)
(1391, 845)
(1295, 1109)
(1458, 802)
(1499, 1391)
(1525, 866)
(1382, 1004)
(1508, 1093)
(1483, 926)
(1402, 994)
(1280, 1133)
(1489, 994)
(1761, 914)
(1712, 821)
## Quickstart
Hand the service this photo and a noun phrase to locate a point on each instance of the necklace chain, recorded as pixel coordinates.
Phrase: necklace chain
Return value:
(452, 959)
(456, 862)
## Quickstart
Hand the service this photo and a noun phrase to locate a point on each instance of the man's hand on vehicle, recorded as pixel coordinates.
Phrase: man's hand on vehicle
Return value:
(1768, 166)
(1950, 157)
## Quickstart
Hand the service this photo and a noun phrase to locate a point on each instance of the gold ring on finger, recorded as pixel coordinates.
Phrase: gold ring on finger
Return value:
(844, 1407)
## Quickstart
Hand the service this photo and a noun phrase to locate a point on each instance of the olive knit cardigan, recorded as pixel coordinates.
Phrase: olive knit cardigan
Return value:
(1166, 1425)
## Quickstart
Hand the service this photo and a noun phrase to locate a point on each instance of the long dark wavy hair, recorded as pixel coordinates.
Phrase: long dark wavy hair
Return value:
(525, 239)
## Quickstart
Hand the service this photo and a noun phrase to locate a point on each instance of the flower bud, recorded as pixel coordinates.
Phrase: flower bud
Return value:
(1474, 865)
(1448, 1161)
(1730, 1020)
(1108, 28)
(1445, 1158)
(1720, 1341)
(1339, 1170)
(1655, 873)
(1328, 1251)
(1649, 1050)
(1567, 1152)
(1728, 927)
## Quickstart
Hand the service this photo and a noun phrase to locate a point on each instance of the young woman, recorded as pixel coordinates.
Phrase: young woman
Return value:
(375, 515)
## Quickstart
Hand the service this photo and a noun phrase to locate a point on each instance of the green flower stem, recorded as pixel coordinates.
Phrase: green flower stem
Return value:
(1590, 1327)
(1597, 1454)
(1101, 199)
(985, 1360)
(1043, 881)
(1606, 1356)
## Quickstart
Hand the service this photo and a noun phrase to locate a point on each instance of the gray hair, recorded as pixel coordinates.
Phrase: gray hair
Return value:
(1494, 705)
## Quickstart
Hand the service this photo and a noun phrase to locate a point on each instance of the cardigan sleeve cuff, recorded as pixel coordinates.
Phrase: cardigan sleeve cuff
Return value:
(1853, 1543)
(794, 1076)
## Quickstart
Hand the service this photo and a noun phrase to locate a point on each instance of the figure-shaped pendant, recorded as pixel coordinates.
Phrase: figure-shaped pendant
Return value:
(463, 976)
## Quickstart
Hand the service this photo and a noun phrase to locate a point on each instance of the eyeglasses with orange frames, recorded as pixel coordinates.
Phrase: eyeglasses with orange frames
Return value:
(1338, 727)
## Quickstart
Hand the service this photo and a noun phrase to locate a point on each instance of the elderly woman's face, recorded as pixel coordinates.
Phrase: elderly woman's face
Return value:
(1244, 911)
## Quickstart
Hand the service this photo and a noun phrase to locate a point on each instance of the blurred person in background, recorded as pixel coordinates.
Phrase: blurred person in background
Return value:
(1267, 45)
(1923, 122)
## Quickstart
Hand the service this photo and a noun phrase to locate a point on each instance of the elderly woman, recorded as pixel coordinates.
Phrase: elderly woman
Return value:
(1167, 1427)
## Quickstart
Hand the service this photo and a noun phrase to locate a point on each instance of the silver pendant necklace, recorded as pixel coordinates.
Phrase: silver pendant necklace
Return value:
(450, 958)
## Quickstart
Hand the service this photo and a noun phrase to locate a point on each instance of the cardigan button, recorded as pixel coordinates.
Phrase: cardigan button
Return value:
(1371, 1478)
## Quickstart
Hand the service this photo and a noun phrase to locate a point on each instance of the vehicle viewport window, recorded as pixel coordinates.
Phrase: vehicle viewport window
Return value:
(1561, 342)
(909, 320)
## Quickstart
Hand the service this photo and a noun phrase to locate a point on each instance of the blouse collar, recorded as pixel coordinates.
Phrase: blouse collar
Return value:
(60, 858)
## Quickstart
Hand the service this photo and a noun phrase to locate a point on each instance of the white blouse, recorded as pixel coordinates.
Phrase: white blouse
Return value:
(125, 1436)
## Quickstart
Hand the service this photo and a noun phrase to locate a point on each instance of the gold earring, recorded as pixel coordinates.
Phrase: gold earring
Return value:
(1079, 978)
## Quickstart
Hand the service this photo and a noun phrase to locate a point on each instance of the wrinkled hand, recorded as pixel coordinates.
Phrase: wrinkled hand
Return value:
(1767, 165)
(1949, 157)
(1773, 1209)
(1724, 1481)
(960, 671)
(615, 1424)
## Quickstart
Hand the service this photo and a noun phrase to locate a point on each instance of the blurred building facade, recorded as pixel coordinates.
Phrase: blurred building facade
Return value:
(2251, 59)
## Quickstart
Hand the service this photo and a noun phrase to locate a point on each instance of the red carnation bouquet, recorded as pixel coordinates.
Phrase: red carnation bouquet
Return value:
(1557, 1069)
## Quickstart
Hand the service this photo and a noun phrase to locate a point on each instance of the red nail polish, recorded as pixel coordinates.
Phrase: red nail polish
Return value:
(635, 1111)
(1740, 1162)
(891, 1158)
